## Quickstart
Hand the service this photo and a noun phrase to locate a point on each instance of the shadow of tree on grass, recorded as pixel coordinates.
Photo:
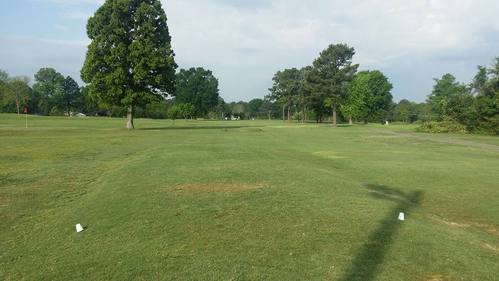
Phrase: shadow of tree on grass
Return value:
(366, 263)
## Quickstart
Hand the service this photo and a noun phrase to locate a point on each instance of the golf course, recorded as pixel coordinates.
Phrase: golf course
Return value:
(244, 200)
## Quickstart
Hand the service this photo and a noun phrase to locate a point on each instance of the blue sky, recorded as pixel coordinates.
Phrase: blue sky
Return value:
(245, 42)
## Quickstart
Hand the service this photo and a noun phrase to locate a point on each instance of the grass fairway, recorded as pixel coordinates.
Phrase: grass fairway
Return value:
(249, 200)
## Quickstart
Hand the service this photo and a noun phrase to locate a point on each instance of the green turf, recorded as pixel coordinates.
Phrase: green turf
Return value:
(244, 200)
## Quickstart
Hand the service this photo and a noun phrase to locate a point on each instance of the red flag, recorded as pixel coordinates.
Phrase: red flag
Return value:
(25, 110)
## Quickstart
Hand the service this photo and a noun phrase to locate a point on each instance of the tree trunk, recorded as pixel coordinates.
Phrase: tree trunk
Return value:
(18, 108)
(269, 116)
(283, 116)
(334, 117)
(350, 122)
(129, 117)
(289, 115)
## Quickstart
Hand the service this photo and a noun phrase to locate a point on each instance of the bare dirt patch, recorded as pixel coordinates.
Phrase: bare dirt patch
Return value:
(329, 155)
(439, 278)
(484, 227)
(492, 248)
(219, 187)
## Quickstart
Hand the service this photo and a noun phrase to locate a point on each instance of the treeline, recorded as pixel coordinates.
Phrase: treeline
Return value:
(332, 88)
(196, 95)
(472, 107)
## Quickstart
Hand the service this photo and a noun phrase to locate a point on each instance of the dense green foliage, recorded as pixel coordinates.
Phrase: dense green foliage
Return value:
(248, 200)
(475, 106)
(447, 126)
(130, 60)
(199, 88)
(369, 97)
(331, 86)
(331, 74)
(287, 87)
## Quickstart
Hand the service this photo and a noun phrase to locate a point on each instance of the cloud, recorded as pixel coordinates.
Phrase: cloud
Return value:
(246, 42)
(72, 2)
(77, 15)
(235, 38)
(60, 27)
(18, 53)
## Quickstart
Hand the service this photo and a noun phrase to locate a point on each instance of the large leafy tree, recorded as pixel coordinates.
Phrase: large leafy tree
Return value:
(198, 87)
(285, 89)
(354, 106)
(255, 108)
(49, 88)
(130, 60)
(71, 94)
(17, 91)
(369, 96)
(444, 90)
(487, 100)
(379, 100)
(480, 80)
(332, 72)
(405, 111)
(4, 78)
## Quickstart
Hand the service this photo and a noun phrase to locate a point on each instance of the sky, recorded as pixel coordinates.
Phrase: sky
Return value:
(245, 42)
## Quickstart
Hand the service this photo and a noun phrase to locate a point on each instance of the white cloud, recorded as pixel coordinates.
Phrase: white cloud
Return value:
(26, 55)
(77, 15)
(387, 34)
(246, 42)
(60, 27)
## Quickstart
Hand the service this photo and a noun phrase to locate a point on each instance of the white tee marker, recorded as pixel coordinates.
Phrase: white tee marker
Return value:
(401, 216)
(79, 228)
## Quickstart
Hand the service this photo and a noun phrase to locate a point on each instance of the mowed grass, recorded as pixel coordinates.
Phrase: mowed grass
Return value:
(247, 200)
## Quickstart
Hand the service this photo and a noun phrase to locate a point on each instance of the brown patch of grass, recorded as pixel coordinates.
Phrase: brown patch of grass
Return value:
(329, 155)
(439, 278)
(490, 229)
(450, 223)
(219, 187)
(491, 248)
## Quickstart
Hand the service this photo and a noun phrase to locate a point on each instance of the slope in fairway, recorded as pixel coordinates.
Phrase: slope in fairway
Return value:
(248, 200)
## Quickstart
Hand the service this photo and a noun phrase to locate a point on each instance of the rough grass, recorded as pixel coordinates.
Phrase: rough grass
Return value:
(245, 200)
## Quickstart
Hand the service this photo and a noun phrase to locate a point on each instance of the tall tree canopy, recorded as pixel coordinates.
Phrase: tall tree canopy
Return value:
(49, 88)
(198, 87)
(444, 90)
(17, 91)
(71, 93)
(369, 97)
(487, 100)
(379, 99)
(332, 72)
(130, 60)
(286, 88)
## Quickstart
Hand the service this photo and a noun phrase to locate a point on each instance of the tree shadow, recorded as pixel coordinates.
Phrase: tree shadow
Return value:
(366, 263)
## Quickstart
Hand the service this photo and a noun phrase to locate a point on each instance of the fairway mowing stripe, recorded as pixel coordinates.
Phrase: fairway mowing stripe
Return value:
(490, 247)
(219, 187)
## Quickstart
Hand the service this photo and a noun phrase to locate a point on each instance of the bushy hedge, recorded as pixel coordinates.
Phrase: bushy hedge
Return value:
(447, 126)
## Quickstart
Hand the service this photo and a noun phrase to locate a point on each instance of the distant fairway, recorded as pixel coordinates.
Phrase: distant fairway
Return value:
(244, 200)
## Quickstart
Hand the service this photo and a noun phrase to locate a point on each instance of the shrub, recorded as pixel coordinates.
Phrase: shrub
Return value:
(55, 111)
(490, 125)
(447, 126)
